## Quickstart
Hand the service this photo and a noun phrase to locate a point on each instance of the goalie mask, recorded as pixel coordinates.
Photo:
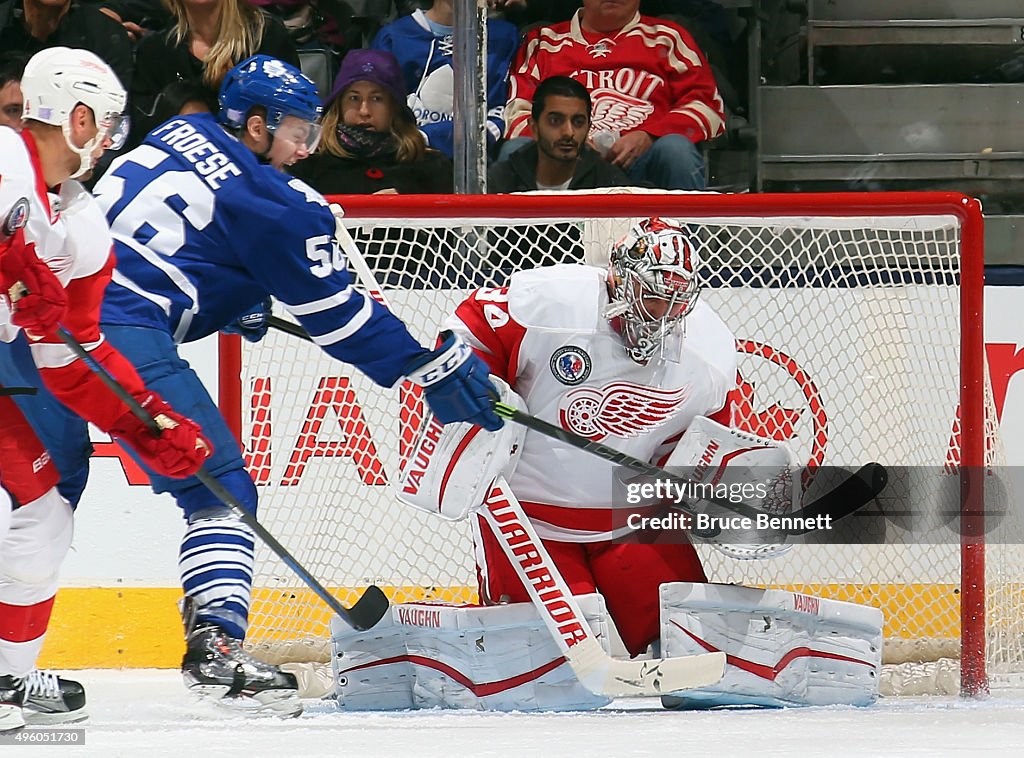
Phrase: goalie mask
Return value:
(59, 78)
(653, 285)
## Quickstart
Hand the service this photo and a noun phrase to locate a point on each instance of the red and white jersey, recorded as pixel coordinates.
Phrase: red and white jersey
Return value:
(547, 336)
(26, 469)
(650, 76)
(67, 230)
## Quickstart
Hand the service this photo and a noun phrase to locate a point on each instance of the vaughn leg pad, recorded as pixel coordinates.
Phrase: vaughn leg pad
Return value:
(783, 648)
(431, 655)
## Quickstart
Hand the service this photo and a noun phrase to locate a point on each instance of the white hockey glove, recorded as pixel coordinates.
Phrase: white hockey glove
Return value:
(452, 465)
(712, 453)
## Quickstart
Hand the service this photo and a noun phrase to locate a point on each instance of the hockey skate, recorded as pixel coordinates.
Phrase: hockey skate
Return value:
(217, 668)
(51, 699)
(12, 698)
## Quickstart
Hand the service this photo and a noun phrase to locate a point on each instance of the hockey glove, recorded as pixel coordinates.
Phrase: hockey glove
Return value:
(455, 382)
(253, 323)
(178, 452)
(38, 301)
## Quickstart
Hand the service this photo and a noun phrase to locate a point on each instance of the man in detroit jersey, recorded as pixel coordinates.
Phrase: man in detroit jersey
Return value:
(55, 261)
(206, 225)
(627, 357)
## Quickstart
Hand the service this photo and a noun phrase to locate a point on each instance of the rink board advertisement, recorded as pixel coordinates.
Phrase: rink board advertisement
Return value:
(120, 584)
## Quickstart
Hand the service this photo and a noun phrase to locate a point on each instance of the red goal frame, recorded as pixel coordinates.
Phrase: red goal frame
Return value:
(967, 210)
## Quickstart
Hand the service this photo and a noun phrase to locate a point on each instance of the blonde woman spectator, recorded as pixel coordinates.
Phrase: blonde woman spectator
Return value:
(207, 38)
(370, 141)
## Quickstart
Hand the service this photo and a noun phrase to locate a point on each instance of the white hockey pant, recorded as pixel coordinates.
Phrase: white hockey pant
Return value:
(37, 540)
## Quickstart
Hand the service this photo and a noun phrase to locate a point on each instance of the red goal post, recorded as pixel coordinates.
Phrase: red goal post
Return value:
(854, 309)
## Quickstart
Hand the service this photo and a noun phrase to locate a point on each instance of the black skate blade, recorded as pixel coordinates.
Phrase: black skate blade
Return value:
(369, 609)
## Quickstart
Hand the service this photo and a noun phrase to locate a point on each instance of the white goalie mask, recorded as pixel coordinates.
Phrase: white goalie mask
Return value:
(59, 78)
(653, 284)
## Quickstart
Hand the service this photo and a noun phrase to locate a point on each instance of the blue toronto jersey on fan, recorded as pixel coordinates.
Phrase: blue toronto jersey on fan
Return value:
(221, 233)
(426, 62)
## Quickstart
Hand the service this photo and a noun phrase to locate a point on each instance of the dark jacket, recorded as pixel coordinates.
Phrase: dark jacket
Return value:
(519, 172)
(158, 62)
(84, 27)
(331, 175)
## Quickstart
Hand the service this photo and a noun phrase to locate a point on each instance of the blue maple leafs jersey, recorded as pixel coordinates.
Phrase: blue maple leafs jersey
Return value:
(203, 231)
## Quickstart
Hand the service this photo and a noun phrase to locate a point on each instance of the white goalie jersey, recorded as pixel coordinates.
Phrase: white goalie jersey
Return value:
(547, 335)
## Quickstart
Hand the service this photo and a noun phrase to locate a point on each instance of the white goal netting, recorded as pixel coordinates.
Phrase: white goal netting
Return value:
(848, 324)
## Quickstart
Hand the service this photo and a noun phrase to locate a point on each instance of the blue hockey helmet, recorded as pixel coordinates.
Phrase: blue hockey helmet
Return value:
(271, 83)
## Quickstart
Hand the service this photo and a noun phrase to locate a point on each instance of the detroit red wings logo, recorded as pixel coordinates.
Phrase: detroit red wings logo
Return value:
(622, 409)
(616, 111)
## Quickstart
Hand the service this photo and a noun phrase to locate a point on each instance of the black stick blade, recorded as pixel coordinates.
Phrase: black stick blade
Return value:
(369, 609)
(851, 494)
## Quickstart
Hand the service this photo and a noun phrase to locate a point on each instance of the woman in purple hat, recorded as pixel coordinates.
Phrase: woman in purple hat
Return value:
(370, 142)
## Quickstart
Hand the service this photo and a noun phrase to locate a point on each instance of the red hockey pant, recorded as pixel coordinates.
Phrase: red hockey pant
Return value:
(626, 574)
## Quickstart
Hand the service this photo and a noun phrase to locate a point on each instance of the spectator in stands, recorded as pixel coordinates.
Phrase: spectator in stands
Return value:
(182, 98)
(370, 142)
(312, 24)
(526, 14)
(12, 66)
(558, 158)
(32, 25)
(423, 43)
(655, 98)
(207, 38)
(137, 17)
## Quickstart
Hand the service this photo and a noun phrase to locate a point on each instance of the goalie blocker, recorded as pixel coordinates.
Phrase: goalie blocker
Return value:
(452, 466)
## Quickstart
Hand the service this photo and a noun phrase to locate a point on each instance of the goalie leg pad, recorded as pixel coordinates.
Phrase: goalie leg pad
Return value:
(427, 655)
(783, 648)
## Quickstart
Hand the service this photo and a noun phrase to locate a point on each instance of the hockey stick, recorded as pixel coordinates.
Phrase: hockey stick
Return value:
(596, 670)
(850, 495)
(373, 603)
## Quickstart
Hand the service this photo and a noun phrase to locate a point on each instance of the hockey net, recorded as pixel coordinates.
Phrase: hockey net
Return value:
(858, 320)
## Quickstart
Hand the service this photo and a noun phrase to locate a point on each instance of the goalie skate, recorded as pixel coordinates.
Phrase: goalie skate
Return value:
(216, 668)
(51, 699)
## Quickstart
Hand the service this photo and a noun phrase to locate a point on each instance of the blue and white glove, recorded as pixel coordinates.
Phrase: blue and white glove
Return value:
(455, 382)
(253, 323)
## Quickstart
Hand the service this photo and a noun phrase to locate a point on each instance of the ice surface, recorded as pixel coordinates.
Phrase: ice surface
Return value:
(148, 714)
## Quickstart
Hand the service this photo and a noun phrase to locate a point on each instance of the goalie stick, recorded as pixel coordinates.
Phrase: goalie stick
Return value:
(596, 670)
(373, 603)
(850, 495)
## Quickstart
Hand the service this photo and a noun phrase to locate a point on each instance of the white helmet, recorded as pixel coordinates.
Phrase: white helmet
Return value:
(59, 78)
(653, 281)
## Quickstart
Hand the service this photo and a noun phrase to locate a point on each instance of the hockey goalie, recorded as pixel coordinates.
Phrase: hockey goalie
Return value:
(629, 356)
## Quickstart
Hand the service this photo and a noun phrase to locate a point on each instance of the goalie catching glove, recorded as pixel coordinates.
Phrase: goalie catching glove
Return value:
(178, 452)
(456, 383)
(37, 298)
(713, 456)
